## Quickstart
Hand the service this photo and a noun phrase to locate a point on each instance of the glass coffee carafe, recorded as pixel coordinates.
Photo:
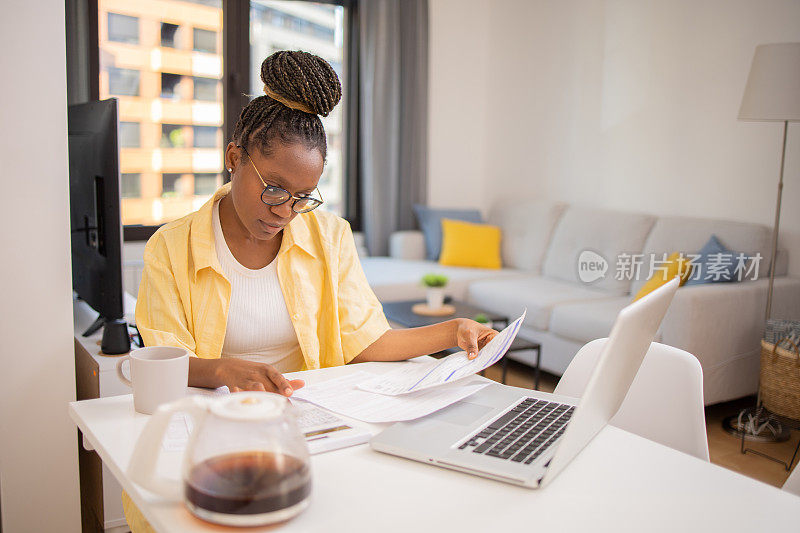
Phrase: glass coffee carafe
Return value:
(246, 462)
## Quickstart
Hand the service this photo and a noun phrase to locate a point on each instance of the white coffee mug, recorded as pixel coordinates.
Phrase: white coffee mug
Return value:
(159, 375)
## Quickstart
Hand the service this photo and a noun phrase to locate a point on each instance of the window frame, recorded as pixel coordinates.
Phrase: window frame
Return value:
(236, 84)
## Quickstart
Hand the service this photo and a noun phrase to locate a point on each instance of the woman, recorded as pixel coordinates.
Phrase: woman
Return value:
(256, 283)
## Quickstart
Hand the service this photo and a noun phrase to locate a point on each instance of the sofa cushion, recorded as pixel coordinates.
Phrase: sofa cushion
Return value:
(470, 245)
(538, 294)
(430, 222)
(714, 263)
(688, 235)
(527, 228)
(607, 233)
(400, 279)
(675, 265)
(586, 321)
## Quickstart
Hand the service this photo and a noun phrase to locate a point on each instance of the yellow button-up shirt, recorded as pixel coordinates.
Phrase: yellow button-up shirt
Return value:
(184, 297)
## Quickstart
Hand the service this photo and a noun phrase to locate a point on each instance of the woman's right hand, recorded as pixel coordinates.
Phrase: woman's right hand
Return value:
(240, 375)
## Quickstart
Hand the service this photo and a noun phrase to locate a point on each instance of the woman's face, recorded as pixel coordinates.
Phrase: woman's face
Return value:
(293, 167)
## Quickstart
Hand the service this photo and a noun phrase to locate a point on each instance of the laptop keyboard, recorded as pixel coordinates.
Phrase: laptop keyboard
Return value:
(523, 433)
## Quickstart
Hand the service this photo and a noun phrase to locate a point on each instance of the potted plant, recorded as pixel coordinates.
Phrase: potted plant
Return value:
(481, 318)
(435, 294)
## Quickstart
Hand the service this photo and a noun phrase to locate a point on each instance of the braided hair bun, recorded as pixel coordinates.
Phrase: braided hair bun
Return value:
(300, 87)
(303, 78)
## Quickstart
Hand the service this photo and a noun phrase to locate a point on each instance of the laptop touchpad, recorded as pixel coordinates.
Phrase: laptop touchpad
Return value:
(463, 413)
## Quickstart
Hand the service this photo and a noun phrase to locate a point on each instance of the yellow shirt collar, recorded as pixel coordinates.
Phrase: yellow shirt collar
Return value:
(204, 253)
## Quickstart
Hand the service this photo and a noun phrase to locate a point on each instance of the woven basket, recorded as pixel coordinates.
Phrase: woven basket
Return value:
(780, 378)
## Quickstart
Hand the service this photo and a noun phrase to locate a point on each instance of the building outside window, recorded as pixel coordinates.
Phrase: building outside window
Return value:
(168, 35)
(170, 85)
(206, 89)
(205, 136)
(123, 82)
(317, 28)
(147, 61)
(130, 135)
(206, 183)
(171, 185)
(172, 136)
(205, 40)
(123, 28)
(131, 185)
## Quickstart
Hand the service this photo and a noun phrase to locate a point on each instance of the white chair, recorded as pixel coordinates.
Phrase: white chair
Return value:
(665, 401)
(793, 482)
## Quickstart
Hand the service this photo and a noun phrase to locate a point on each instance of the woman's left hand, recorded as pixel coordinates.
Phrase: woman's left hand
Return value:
(472, 336)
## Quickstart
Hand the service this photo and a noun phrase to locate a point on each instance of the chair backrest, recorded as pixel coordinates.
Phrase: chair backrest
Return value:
(664, 403)
(793, 482)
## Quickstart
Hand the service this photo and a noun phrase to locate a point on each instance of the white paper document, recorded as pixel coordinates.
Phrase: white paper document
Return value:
(411, 377)
(342, 396)
(323, 430)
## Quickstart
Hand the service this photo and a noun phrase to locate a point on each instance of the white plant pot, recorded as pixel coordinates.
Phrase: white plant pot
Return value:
(435, 296)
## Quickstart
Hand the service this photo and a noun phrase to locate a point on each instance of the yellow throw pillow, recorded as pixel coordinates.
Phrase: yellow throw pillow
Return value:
(470, 245)
(676, 264)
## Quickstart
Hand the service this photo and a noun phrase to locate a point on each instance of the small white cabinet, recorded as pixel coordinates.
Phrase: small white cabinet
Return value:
(96, 377)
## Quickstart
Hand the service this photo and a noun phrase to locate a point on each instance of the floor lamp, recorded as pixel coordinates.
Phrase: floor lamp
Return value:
(772, 94)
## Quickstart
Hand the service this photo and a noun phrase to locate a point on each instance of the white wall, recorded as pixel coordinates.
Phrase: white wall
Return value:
(625, 104)
(458, 96)
(38, 454)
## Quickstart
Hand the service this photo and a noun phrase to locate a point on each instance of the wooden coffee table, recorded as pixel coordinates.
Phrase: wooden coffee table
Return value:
(401, 313)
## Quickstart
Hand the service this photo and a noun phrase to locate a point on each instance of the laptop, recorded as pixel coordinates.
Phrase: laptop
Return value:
(526, 437)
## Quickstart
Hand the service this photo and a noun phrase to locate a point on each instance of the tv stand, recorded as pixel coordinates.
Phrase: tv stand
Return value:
(115, 335)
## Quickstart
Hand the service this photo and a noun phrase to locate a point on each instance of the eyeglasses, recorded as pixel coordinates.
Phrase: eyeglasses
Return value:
(274, 195)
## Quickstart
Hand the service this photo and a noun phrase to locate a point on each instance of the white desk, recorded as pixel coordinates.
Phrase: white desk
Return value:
(620, 482)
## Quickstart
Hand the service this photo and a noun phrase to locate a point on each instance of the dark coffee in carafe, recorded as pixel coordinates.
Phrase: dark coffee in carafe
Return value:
(248, 483)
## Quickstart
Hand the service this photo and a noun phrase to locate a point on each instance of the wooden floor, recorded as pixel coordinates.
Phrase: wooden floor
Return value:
(724, 448)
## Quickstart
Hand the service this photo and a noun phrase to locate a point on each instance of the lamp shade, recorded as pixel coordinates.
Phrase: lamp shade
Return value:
(773, 86)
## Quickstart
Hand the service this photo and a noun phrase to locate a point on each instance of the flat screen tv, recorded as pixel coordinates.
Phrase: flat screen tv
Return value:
(96, 227)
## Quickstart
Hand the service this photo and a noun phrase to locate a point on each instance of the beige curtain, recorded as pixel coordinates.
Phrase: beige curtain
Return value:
(393, 63)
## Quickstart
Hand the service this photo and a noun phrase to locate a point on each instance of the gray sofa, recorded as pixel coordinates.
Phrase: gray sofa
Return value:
(720, 323)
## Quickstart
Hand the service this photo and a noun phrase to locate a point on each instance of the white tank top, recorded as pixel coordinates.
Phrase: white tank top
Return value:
(259, 327)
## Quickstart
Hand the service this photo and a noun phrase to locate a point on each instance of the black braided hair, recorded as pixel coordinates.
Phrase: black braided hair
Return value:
(299, 77)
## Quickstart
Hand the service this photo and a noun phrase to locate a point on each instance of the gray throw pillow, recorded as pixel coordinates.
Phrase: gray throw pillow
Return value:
(430, 222)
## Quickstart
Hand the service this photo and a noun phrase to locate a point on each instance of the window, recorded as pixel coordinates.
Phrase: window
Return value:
(123, 82)
(170, 85)
(172, 136)
(123, 29)
(206, 89)
(170, 185)
(168, 34)
(131, 185)
(175, 116)
(205, 137)
(205, 41)
(129, 135)
(317, 28)
(277, 18)
(206, 184)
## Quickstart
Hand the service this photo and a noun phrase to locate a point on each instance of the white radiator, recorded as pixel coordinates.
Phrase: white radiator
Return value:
(131, 276)
(132, 266)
